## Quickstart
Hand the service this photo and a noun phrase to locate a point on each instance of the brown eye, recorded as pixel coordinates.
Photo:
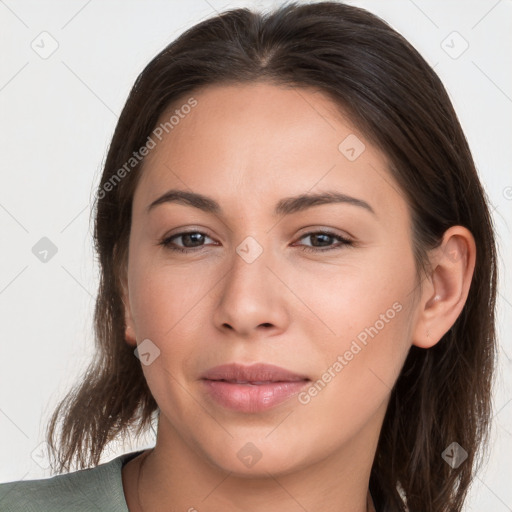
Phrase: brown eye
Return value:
(324, 241)
(191, 240)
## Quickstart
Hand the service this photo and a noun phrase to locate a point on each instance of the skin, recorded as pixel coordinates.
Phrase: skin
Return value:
(247, 147)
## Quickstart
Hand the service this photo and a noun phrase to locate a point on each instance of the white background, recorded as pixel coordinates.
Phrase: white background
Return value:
(57, 117)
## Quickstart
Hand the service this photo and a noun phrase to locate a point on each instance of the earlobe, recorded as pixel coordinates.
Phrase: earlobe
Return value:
(129, 334)
(445, 294)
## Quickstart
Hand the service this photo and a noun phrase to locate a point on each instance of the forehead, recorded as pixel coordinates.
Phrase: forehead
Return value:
(253, 143)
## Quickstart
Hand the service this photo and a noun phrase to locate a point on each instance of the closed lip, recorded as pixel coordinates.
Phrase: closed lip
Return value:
(258, 373)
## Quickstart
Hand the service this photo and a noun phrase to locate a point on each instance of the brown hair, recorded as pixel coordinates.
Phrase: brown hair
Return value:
(397, 101)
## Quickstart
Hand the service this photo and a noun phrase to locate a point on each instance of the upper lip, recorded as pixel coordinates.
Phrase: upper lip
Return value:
(258, 372)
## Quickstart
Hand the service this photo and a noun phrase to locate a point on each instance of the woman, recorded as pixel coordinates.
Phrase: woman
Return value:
(296, 246)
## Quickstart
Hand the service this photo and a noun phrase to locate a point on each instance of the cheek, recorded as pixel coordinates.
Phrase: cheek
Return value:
(171, 306)
(360, 367)
(368, 311)
(361, 299)
(163, 297)
(163, 310)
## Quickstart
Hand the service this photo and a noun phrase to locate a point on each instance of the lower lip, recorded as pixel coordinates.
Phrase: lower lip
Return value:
(252, 397)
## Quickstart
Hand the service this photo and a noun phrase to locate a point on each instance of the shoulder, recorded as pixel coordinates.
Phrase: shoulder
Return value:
(92, 489)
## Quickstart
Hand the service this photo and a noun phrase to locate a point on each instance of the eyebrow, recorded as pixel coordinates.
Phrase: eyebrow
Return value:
(284, 206)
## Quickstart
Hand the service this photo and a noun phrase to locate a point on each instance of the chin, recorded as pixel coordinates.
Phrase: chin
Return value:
(256, 458)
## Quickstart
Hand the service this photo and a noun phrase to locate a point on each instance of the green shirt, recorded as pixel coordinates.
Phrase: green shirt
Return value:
(98, 489)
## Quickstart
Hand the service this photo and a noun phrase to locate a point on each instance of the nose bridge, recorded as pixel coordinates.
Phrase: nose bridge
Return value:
(248, 298)
(249, 273)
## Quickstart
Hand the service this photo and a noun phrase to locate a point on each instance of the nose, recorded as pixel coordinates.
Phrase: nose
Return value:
(252, 299)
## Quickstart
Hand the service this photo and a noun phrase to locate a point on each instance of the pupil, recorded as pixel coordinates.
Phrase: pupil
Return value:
(190, 236)
(315, 237)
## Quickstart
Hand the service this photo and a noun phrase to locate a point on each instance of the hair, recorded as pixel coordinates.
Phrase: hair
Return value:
(390, 94)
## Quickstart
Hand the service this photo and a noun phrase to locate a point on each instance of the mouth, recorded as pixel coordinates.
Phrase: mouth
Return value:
(253, 388)
(255, 374)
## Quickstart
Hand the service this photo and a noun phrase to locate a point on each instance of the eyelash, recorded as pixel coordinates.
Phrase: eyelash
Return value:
(166, 242)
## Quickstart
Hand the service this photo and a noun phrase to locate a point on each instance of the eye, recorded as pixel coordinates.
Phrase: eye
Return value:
(192, 241)
(324, 238)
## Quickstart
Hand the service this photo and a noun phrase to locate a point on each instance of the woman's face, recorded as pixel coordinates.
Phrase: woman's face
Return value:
(262, 284)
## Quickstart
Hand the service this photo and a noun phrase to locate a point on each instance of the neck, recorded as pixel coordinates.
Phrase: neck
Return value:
(180, 475)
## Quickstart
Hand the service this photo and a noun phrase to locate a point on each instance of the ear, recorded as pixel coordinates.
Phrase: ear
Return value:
(445, 291)
(129, 335)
